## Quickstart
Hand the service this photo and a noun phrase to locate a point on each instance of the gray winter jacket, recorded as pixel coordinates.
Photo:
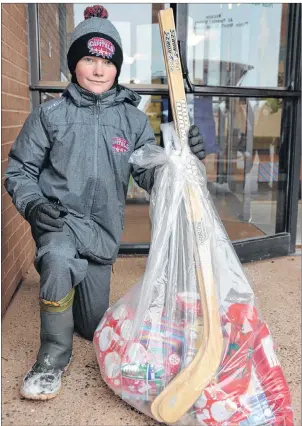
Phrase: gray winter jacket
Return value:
(75, 150)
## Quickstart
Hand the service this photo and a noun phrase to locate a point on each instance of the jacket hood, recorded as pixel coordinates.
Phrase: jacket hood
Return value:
(83, 98)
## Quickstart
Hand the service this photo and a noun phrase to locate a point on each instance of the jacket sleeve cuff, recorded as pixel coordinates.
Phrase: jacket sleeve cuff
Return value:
(27, 206)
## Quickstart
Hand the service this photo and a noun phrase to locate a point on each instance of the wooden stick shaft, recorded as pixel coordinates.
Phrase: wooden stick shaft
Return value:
(181, 393)
(175, 79)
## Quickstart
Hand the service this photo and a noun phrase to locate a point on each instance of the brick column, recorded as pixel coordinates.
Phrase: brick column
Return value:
(17, 245)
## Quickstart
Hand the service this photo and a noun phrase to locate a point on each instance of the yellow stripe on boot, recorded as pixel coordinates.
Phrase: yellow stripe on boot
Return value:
(57, 306)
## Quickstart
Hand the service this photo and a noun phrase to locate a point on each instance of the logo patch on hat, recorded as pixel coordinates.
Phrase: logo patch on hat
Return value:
(101, 47)
(120, 145)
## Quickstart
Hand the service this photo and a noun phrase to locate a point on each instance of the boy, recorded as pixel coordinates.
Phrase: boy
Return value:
(68, 174)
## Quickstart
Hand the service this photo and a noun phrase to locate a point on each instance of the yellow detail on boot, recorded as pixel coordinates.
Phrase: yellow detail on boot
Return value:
(50, 302)
(60, 305)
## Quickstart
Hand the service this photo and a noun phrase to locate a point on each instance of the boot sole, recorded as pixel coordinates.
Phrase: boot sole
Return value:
(42, 397)
(45, 396)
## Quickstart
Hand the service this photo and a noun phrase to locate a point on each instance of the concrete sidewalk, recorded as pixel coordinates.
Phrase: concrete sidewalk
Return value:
(85, 399)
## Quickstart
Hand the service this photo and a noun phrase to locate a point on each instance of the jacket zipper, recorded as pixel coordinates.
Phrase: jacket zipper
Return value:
(96, 151)
(97, 109)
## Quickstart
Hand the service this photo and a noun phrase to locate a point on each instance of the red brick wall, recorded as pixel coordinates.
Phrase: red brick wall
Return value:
(17, 246)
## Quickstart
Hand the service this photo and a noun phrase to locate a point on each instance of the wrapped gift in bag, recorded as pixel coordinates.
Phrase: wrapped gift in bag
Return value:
(187, 345)
(150, 335)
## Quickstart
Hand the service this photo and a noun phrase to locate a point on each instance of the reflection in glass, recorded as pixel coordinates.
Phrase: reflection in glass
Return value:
(242, 138)
(237, 44)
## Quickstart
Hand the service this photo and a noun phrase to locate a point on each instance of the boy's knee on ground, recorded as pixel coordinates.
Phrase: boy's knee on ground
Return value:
(86, 330)
(85, 323)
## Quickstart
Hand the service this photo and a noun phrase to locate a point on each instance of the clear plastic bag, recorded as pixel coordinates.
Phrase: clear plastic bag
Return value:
(154, 331)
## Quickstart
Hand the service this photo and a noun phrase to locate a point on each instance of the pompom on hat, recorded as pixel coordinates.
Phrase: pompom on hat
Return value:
(95, 36)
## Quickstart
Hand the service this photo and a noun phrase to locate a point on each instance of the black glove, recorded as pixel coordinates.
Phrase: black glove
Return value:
(196, 142)
(44, 217)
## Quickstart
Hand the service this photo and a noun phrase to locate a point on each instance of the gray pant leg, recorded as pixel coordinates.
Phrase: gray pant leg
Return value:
(57, 264)
(91, 299)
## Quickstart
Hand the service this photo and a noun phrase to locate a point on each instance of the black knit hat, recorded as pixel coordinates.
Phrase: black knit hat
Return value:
(95, 36)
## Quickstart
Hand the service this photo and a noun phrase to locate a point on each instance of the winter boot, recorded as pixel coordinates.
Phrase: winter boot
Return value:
(43, 381)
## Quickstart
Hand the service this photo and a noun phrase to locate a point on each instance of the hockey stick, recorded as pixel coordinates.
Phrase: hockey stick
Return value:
(181, 393)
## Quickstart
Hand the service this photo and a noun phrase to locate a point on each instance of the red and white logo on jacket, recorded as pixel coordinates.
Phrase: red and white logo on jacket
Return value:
(120, 145)
(101, 47)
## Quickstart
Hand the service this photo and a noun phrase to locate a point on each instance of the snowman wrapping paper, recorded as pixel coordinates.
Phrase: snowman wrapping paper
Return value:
(153, 332)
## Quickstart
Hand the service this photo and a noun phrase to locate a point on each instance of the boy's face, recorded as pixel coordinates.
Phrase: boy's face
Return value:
(95, 74)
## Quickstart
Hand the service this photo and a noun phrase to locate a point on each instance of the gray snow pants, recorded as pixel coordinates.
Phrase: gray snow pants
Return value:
(61, 269)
